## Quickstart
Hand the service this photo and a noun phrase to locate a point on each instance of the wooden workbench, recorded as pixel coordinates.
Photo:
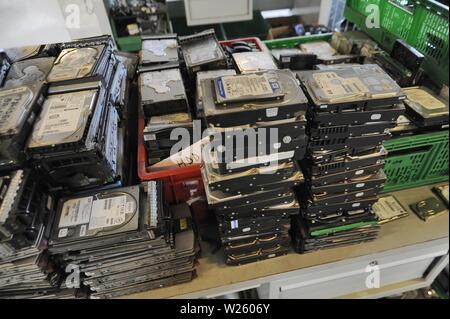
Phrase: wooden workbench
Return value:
(213, 274)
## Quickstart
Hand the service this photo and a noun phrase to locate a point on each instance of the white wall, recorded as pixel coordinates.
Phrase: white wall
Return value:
(31, 22)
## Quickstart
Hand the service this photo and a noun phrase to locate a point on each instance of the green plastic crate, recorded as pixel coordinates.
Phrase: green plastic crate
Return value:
(296, 41)
(423, 24)
(416, 160)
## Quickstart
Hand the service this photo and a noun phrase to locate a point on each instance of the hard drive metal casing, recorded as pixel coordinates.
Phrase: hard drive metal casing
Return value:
(29, 72)
(425, 108)
(85, 103)
(283, 100)
(252, 179)
(321, 180)
(75, 221)
(312, 210)
(338, 131)
(261, 254)
(77, 64)
(202, 52)
(348, 163)
(243, 165)
(162, 92)
(372, 181)
(159, 49)
(255, 242)
(357, 117)
(242, 226)
(356, 142)
(18, 110)
(249, 62)
(330, 199)
(359, 86)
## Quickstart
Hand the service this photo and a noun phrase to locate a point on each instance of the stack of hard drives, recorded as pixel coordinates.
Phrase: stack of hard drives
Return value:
(163, 97)
(124, 240)
(351, 111)
(25, 268)
(257, 127)
(78, 138)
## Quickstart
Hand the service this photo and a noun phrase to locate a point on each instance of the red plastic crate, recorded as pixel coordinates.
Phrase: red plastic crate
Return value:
(182, 183)
(259, 44)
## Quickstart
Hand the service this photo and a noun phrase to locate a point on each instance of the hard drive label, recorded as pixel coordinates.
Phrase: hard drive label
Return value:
(63, 118)
(63, 115)
(236, 87)
(76, 212)
(108, 212)
(334, 86)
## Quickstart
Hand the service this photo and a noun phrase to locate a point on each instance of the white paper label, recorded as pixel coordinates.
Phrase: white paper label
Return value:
(360, 185)
(83, 230)
(246, 229)
(356, 205)
(234, 224)
(248, 85)
(272, 112)
(108, 212)
(76, 212)
(63, 232)
(360, 194)
(359, 172)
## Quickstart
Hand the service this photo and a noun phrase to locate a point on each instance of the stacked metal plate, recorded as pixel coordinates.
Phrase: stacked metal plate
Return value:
(352, 108)
(257, 127)
(25, 268)
(124, 240)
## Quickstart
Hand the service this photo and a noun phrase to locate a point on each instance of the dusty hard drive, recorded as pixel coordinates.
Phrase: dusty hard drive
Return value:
(97, 215)
(159, 49)
(28, 52)
(249, 62)
(327, 54)
(18, 110)
(78, 63)
(426, 109)
(294, 59)
(202, 51)
(429, 208)
(28, 72)
(68, 119)
(162, 92)
(251, 98)
(388, 208)
(359, 86)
